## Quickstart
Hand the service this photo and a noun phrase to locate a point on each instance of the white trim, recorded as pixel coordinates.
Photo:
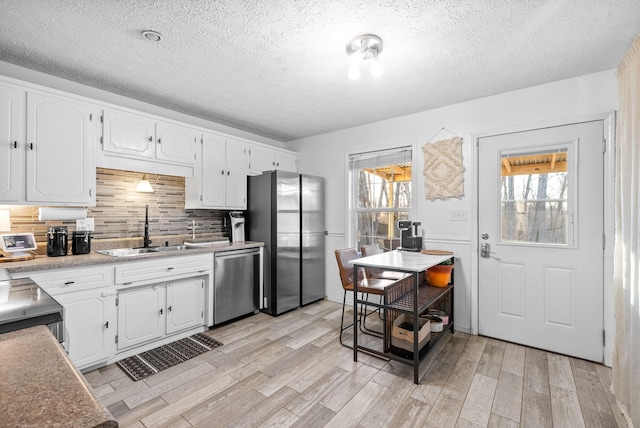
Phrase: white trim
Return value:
(608, 184)
(447, 240)
(609, 232)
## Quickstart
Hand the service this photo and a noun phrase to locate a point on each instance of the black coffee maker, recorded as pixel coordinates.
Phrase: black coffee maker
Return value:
(57, 238)
(409, 240)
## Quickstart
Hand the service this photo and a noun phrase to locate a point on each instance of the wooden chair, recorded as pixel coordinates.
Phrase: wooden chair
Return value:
(366, 286)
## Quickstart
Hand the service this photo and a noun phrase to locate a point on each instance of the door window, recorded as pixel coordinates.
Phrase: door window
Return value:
(536, 197)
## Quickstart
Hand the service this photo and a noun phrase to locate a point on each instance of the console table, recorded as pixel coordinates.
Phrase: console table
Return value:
(414, 301)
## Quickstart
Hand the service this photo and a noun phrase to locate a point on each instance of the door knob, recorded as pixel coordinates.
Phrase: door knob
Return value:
(485, 236)
(485, 250)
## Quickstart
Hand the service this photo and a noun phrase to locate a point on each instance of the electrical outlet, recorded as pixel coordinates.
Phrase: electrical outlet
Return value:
(457, 215)
(85, 224)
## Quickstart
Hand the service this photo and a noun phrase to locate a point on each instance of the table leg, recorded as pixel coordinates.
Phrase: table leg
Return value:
(355, 313)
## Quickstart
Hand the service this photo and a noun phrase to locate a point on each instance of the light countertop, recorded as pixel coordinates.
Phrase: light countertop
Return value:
(39, 387)
(94, 259)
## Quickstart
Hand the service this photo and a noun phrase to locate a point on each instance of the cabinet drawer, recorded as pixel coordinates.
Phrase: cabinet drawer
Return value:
(161, 268)
(62, 281)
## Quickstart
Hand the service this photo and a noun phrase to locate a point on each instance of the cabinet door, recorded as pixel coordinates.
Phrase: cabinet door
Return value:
(185, 304)
(128, 134)
(236, 176)
(262, 159)
(213, 171)
(176, 143)
(141, 315)
(89, 325)
(12, 144)
(60, 161)
(287, 161)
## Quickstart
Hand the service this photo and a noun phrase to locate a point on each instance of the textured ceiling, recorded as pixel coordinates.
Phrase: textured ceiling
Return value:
(279, 69)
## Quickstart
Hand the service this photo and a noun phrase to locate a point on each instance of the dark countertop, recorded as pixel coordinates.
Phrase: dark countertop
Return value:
(95, 259)
(40, 387)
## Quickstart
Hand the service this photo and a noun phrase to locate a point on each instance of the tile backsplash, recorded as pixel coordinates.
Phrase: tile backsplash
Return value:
(119, 210)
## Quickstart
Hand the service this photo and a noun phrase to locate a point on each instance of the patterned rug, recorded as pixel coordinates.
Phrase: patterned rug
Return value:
(147, 363)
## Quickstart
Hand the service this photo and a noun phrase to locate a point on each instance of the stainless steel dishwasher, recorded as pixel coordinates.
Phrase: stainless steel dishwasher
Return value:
(236, 284)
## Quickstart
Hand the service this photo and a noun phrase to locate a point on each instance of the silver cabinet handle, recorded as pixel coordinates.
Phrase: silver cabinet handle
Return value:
(15, 144)
(150, 138)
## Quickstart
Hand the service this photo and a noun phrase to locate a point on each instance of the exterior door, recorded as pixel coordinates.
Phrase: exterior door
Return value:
(540, 221)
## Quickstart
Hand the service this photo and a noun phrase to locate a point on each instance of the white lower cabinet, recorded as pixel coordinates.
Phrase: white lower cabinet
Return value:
(149, 313)
(89, 325)
(88, 298)
(185, 304)
(113, 311)
(140, 315)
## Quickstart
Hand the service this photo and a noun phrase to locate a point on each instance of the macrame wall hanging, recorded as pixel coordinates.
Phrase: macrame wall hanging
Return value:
(443, 168)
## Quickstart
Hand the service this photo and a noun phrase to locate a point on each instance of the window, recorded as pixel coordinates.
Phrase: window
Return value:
(381, 195)
(534, 198)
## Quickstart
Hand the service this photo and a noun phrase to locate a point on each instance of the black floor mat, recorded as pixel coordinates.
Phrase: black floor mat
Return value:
(150, 362)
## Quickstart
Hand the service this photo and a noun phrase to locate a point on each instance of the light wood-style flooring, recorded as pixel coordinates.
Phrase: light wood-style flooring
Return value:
(291, 371)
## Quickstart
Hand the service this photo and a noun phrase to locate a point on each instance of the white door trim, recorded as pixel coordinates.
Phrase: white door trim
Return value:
(608, 227)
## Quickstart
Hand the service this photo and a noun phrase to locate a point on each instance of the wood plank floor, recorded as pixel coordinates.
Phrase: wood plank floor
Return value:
(292, 371)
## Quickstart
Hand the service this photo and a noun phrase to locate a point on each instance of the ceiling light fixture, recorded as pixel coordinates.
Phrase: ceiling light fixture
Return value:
(362, 48)
(144, 186)
(154, 36)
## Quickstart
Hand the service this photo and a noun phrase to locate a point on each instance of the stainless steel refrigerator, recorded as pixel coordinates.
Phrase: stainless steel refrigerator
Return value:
(286, 211)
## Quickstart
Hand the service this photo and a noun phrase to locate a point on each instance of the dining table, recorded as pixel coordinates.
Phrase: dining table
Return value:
(413, 300)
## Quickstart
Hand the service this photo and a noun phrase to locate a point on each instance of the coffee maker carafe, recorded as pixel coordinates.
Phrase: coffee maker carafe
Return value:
(237, 226)
(57, 241)
(409, 239)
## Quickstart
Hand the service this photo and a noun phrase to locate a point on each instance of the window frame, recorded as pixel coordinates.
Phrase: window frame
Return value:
(352, 211)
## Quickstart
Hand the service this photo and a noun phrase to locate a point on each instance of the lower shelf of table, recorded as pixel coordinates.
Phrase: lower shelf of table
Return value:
(408, 359)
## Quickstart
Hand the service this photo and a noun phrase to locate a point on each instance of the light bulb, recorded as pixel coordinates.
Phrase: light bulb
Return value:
(354, 71)
(376, 66)
(354, 64)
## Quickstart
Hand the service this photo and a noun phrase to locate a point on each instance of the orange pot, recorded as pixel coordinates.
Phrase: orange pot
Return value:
(439, 275)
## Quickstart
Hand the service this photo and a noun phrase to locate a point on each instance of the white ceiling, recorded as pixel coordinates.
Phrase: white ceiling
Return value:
(279, 69)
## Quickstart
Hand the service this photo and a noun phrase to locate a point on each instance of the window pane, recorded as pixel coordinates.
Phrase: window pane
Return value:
(382, 195)
(379, 227)
(534, 205)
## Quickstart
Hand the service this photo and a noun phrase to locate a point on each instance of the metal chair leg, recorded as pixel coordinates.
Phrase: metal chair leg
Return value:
(363, 322)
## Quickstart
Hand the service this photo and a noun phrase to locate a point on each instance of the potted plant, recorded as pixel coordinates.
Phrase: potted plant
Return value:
(440, 274)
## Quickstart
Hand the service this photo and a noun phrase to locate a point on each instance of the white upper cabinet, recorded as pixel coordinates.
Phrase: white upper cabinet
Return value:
(12, 144)
(47, 153)
(264, 158)
(221, 176)
(60, 160)
(143, 137)
(128, 134)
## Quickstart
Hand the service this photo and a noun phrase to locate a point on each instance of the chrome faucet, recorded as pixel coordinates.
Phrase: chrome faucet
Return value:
(146, 242)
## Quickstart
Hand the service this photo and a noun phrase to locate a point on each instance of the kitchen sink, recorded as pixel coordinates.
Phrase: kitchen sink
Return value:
(132, 252)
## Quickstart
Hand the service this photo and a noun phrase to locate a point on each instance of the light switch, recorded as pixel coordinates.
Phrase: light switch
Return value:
(457, 215)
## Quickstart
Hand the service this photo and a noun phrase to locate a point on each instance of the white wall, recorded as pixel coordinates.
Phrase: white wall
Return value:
(326, 154)
(27, 75)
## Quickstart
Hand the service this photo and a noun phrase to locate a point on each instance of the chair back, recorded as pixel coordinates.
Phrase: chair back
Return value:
(346, 270)
(371, 250)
